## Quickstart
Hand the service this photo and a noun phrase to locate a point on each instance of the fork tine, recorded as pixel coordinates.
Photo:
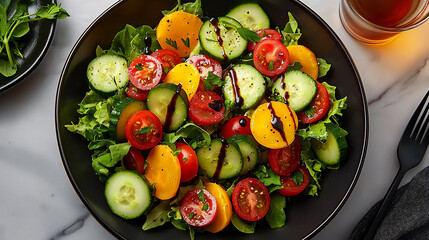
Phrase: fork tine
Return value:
(422, 119)
(424, 134)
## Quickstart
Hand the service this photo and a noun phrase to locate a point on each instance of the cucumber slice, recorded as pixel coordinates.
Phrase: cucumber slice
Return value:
(251, 16)
(334, 149)
(121, 112)
(170, 104)
(107, 73)
(226, 156)
(244, 86)
(127, 194)
(248, 150)
(297, 88)
(220, 39)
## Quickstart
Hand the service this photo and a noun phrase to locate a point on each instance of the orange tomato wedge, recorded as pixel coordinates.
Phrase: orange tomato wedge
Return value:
(187, 75)
(179, 31)
(266, 121)
(224, 208)
(126, 113)
(303, 55)
(163, 171)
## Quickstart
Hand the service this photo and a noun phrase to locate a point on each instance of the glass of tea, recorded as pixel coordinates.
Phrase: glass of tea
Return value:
(379, 21)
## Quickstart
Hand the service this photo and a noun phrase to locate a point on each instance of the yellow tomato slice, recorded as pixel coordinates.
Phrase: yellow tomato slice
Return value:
(179, 31)
(126, 113)
(187, 75)
(163, 170)
(273, 125)
(224, 208)
(303, 55)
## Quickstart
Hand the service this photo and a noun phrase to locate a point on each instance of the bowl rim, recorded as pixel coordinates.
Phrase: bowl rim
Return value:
(364, 103)
(14, 80)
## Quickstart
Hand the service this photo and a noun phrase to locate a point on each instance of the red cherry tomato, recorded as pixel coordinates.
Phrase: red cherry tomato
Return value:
(271, 57)
(206, 107)
(134, 160)
(143, 130)
(205, 65)
(264, 34)
(188, 162)
(136, 93)
(145, 72)
(251, 199)
(237, 125)
(289, 186)
(168, 59)
(199, 208)
(317, 108)
(284, 161)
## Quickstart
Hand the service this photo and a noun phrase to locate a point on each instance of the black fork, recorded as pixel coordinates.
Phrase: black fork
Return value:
(411, 149)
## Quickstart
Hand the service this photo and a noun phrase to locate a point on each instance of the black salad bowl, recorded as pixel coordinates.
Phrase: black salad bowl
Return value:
(36, 44)
(305, 215)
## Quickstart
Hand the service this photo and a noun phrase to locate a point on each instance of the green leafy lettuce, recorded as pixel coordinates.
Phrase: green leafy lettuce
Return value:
(190, 7)
(291, 33)
(14, 25)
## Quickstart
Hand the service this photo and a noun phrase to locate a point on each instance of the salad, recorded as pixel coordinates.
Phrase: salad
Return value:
(209, 122)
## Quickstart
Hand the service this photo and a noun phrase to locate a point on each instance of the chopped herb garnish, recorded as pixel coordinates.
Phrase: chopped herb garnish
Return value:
(166, 70)
(211, 81)
(190, 215)
(201, 196)
(211, 40)
(298, 178)
(186, 42)
(310, 111)
(144, 130)
(171, 43)
(271, 66)
(205, 207)
(139, 66)
(177, 152)
(185, 159)
(248, 35)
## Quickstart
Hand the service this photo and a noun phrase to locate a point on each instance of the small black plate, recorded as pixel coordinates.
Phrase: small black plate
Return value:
(37, 43)
(305, 215)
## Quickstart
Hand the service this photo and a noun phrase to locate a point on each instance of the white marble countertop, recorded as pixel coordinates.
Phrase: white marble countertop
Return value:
(38, 201)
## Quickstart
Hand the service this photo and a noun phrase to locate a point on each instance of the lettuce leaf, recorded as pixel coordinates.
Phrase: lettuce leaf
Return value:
(276, 216)
(190, 7)
(291, 33)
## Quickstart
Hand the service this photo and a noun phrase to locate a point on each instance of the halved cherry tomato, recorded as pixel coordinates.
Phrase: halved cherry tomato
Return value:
(206, 108)
(199, 208)
(251, 199)
(134, 160)
(317, 108)
(236, 125)
(145, 72)
(264, 34)
(271, 57)
(163, 171)
(188, 162)
(143, 130)
(224, 208)
(205, 65)
(284, 161)
(289, 186)
(168, 59)
(134, 92)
